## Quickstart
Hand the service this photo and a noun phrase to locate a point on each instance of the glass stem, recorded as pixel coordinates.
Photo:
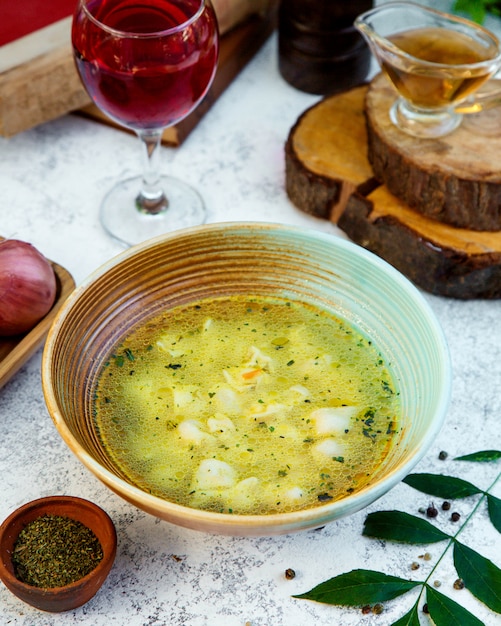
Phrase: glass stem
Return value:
(151, 199)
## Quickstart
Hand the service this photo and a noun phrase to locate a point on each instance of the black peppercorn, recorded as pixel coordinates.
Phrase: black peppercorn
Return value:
(290, 573)
(446, 506)
(458, 583)
(431, 511)
(443, 455)
(455, 517)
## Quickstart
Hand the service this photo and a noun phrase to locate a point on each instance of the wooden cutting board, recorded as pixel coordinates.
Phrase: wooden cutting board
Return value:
(39, 82)
(329, 175)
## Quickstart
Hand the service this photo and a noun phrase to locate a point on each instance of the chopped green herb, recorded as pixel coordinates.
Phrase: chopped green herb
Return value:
(55, 551)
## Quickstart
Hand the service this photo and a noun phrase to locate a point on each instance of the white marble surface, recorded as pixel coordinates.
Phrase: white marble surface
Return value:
(51, 181)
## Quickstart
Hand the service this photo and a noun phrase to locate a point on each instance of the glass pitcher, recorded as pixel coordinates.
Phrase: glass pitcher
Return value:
(437, 62)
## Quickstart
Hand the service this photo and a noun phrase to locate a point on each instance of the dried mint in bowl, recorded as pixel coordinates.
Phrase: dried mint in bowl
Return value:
(54, 551)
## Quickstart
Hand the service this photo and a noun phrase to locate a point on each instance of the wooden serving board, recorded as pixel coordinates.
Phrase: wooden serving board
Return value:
(236, 50)
(39, 81)
(15, 351)
(328, 174)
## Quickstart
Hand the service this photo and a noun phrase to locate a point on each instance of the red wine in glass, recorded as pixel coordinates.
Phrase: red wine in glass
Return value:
(147, 64)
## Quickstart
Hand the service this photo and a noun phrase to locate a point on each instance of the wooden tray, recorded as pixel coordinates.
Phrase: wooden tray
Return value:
(15, 351)
(39, 82)
(237, 48)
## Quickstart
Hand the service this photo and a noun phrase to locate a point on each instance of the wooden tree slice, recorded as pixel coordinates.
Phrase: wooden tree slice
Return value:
(328, 175)
(326, 155)
(455, 179)
(442, 259)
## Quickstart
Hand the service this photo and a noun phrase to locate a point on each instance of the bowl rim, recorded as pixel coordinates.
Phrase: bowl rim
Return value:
(309, 517)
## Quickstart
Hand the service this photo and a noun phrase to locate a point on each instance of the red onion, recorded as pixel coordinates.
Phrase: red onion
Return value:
(27, 287)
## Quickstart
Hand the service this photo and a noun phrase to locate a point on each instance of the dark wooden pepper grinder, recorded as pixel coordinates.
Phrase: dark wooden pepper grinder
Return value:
(319, 50)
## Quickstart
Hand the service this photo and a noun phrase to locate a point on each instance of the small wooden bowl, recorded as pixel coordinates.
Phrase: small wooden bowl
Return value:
(71, 596)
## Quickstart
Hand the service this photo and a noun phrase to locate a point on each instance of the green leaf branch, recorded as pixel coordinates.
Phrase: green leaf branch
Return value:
(477, 9)
(478, 574)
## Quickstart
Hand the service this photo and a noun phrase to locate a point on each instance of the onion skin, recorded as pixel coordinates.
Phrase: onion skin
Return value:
(27, 287)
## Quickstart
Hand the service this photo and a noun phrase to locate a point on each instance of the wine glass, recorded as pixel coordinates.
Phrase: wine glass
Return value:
(147, 64)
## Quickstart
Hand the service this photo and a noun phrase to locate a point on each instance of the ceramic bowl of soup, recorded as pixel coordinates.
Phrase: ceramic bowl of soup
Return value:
(247, 378)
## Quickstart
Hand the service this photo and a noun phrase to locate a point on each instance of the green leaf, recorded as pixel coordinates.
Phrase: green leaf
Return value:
(442, 486)
(494, 508)
(409, 619)
(399, 526)
(359, 587)
(444, 611)
(473, 8)
(485, 456)
(480, 575)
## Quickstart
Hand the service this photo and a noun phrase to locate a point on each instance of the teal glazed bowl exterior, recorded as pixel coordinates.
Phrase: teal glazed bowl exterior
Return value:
(259, 259)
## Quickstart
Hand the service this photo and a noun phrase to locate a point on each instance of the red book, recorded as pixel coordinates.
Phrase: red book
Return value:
(27, 16)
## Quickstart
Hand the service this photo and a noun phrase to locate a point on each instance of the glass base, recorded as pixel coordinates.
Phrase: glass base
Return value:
(125, 222)
(427, 124)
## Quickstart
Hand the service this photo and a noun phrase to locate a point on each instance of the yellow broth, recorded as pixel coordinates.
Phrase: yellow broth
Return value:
(247, 406)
